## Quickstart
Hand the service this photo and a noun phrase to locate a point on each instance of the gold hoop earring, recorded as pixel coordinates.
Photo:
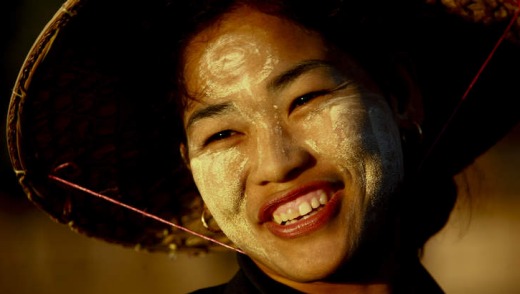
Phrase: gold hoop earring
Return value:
(207, 222)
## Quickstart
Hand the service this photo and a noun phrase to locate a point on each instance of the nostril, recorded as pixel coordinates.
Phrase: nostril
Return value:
(301, 167)
(284, 168)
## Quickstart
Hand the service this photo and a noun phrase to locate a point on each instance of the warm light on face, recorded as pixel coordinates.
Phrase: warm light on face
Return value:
(280, 120)
(225, 64)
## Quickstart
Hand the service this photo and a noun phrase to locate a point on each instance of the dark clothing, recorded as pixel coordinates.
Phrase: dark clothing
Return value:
(250, 279)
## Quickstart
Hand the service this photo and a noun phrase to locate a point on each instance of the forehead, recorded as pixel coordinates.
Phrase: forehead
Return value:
(246, 37)
(251, 22)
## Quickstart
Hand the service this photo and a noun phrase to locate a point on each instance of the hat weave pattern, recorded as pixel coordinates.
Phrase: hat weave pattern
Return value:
(86, 119)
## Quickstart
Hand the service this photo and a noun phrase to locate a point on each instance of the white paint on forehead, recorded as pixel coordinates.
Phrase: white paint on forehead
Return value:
(234, 63)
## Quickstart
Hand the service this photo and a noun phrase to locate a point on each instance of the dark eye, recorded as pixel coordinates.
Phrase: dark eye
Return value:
(219, 136)
(302, 100)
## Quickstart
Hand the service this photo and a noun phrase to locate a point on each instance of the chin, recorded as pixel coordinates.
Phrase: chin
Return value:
(308, 263)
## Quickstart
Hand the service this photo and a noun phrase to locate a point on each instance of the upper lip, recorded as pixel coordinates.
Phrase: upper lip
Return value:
(266, 211)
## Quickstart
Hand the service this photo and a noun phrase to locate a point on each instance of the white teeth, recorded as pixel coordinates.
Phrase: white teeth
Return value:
(304, 208)
(315, 203)
(277, 218)
(284, 217)
(323, 198)
(290, 215)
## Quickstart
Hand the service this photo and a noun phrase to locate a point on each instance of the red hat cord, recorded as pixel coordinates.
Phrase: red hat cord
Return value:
(144, 213)
(475, 79)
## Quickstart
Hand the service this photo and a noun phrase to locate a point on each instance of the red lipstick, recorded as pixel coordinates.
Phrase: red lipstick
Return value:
(305, 225)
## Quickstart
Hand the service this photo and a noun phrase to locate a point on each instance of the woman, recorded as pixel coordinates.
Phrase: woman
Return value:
(287, 144)
(300, 128)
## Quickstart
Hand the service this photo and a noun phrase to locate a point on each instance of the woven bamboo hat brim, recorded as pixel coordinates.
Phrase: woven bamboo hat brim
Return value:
(87, 108)
(90, 106)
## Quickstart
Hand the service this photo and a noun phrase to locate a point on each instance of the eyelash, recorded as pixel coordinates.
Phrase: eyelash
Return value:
(304, 99)
(219, 136)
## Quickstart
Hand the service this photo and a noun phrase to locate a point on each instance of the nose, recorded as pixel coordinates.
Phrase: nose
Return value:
(279, 157)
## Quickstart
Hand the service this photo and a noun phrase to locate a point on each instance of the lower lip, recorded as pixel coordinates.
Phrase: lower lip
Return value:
(308, 225)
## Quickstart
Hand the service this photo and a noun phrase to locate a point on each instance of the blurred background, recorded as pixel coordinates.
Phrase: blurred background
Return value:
(477, 252)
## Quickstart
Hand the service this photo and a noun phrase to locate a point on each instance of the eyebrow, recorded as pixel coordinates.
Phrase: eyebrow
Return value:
(289, 76)
(209, 111)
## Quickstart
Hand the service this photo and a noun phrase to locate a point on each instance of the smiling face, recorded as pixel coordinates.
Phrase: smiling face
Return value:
(289, 143)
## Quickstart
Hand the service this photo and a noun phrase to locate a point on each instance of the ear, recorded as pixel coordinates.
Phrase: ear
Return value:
(183, 149)
(407, 104)
(406, 99)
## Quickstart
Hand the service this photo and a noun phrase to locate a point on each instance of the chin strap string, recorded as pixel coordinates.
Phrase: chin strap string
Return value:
(144, 213)
(472, 83)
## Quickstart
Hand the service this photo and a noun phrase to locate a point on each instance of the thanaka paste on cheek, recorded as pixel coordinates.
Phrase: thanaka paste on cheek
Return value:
(379, 142)
(336, 131)
(388, 141)
(219, 178)
(219, 175)
(363, 144)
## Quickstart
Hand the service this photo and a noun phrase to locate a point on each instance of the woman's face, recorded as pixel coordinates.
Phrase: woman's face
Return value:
(290, 145)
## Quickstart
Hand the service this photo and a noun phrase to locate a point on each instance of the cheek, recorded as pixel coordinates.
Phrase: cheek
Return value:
(361, 138)
(218, 178)
(386, 135)
(336, 132)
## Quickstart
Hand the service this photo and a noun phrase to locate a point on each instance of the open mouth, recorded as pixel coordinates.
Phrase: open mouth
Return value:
(301, 208)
